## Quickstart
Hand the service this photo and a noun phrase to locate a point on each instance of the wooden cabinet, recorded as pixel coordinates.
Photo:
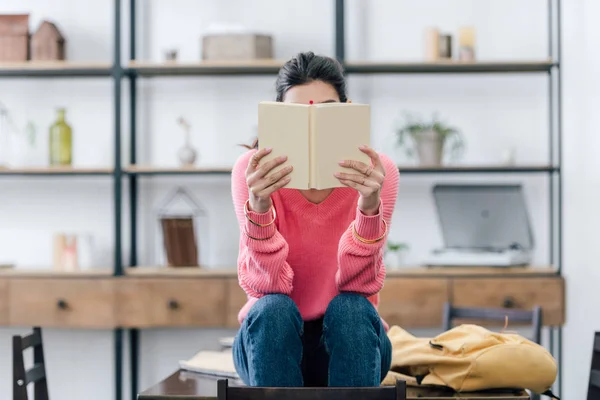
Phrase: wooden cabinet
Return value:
(67, 303)
(546, 292)
(206, 299)
(171, 302)
(413, 302)
(3, 301)
(236, 298)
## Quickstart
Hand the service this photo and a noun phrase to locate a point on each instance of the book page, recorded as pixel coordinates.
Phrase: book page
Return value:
(339, 129)
(284, 128)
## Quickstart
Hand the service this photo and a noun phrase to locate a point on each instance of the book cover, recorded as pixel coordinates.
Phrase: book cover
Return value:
(315, 138)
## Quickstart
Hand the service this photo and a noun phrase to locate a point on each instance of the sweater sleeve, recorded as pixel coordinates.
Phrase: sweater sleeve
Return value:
(360, 265)
(262, 266)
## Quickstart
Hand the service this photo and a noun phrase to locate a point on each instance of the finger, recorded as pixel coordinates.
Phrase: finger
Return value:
(255, 159)
(269, 165)
(355, 165)
(274, 187)
(364, 190)
(264, 169)
(360, 179)
(374, 156)
(272, 179)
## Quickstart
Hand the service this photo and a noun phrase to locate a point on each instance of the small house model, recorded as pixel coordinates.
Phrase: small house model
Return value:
(14, 37)
(47, 43)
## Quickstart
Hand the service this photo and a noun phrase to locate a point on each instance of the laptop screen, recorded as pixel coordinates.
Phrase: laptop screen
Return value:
(486, 217)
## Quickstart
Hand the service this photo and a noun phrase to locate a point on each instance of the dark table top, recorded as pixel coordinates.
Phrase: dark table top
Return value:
(184, 385)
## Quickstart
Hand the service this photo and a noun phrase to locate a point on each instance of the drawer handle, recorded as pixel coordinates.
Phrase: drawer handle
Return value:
(62, 304)
(173, 304)
(508, 302)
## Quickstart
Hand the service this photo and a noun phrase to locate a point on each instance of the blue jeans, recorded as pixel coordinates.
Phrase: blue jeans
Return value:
(347, 347)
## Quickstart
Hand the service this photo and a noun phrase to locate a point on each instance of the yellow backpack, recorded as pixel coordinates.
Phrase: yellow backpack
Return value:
(471, 358)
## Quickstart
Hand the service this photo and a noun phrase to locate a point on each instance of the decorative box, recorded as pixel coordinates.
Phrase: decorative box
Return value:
(237, 47)
(14, 37)
(47, 43)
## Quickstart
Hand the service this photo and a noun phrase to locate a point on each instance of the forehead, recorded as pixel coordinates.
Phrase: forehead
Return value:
(317, 91)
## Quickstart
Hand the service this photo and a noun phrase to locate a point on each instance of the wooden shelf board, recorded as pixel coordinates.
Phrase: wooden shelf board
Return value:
(56, 171)
(414, 272)
(443, 66)
(55, 68)
(479, 169)
(471, 271)
(409, 169)
(151, 170)
(263, 66)
(146, 271)
(50, 273)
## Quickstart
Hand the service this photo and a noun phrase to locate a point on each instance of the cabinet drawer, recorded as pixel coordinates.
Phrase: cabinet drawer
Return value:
(522, 293)
(413, 302)
(51, 302)
(171, 302)
(3, 302)
(236, 298)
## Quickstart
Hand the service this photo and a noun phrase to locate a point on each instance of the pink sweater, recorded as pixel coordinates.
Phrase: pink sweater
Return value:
(312, 255)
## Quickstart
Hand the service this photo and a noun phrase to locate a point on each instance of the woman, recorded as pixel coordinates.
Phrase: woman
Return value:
(311, 261)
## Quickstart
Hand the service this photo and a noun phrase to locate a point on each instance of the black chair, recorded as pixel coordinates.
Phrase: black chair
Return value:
(594, 384)
(226, 392)
(533, 317)
(36, 374)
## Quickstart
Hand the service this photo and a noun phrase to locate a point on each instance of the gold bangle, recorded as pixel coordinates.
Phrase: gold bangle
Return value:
(255, 238)
(254, 222)
(370, 241)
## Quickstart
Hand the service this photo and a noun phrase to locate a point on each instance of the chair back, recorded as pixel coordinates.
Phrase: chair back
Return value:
(226, 392)
(532, 317)
(594, 383)
(36, 374)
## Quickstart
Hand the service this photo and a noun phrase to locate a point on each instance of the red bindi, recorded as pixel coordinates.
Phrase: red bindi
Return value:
(310, 102)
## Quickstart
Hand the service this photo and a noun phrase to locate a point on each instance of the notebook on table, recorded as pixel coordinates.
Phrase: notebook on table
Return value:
(315, 138)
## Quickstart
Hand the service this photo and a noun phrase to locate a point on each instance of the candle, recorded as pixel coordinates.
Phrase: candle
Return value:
(432, 44)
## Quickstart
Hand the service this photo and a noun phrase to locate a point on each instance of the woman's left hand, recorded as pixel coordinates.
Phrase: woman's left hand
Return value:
(368, 180)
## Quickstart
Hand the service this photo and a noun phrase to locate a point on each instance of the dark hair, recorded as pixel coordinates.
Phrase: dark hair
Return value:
(308, 67)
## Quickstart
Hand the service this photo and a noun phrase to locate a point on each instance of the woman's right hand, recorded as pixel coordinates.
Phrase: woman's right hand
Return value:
(261, 186)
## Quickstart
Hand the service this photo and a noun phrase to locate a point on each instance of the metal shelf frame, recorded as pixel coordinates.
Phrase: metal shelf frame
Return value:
(129, 75)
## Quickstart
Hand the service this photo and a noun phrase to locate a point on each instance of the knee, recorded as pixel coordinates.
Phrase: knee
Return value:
(275, 313)
(349, 311)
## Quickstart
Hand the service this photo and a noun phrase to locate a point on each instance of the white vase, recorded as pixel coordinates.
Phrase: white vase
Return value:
(187, 154)
(430, 148)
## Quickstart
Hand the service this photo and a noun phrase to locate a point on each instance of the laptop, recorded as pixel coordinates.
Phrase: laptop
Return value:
(482, 225)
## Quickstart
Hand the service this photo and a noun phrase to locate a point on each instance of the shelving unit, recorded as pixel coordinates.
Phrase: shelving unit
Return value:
(130, 71)
(549, 66)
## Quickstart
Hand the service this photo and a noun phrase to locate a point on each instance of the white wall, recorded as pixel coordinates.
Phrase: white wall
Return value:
(494, 111)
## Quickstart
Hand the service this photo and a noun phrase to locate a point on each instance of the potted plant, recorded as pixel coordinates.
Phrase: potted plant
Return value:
(393, 254)
(429, 139)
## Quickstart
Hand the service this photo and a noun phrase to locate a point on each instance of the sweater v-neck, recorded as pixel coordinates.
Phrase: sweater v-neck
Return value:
(330, 204)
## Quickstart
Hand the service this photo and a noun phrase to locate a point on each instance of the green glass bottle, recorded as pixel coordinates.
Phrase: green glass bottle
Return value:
(61, 142)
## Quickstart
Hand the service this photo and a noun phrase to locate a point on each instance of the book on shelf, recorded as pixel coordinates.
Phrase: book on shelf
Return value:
(315, 138)
(217, 363)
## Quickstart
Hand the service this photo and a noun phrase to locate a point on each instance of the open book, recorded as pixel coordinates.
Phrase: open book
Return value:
(315, 138)
(217, 363)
